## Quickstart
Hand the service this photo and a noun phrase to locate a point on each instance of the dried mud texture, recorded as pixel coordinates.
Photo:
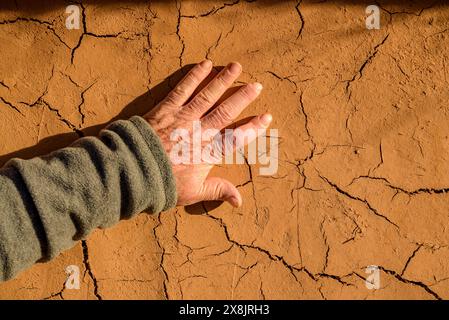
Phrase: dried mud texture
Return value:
(363, 153)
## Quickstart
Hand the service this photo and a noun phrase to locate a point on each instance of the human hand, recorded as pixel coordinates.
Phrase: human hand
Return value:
(182, 107)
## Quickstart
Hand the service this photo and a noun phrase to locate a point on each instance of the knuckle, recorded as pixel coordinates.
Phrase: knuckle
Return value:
(219, 147)
(245, 93)
(218, 190)
(203, 98)
(212, 121)
(224, 79)
(176, 95)
(228, 143)
(202, 192)
(224, 113)
(194, 105)
(171, 99)
(193, 76)
(179, 91)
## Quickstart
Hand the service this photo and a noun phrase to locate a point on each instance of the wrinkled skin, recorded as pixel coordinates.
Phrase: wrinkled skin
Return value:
(185, 104)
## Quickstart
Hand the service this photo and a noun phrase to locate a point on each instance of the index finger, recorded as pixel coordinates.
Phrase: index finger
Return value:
(187, 86)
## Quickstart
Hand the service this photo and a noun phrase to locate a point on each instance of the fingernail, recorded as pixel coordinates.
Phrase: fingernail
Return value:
(206, 64)
(235, 202)
(258, 86)
(234, 67)
(266, 119)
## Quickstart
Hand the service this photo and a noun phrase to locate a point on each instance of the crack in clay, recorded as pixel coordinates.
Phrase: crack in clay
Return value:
(247, 270)
(44, 93)
(321, 293)
(161, 262)
(418, 142)
(398, 65)
(54, 295)
(213, 46)
(413, 282)
(85, 33)
(336, 278)
(178, 33)
(70, 79)
(149, 56)
(3, 84)
(83, 21)
(252, 246)
(306, 127)
(80, 106)
(391, 13)
(217, 43)
(126, 280)
(367, 204)
(253, 188)
(347, 125)
(410, 259)
(298, 225)
(193, 276)
(356, 231)
(312, 153)
(273, 257)
(48, 25)
(41, 101)
(10, 105)
(437, 33)
(262, 294)
(208, 13)
(326, 244)
(57, 294)
(89, 270)
(282, 78)
(368, 60)
(301, 19)
(300, 169)
(149, 17)
(212, 11)
(381, 159)
(70, 125)
(430, 191)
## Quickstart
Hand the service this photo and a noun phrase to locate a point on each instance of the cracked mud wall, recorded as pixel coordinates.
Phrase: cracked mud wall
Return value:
(363, 156)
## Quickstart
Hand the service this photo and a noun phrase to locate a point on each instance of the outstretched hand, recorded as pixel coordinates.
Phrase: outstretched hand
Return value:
(182, 107)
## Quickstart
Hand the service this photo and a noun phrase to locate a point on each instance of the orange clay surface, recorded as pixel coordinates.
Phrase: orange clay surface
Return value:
(363, 151)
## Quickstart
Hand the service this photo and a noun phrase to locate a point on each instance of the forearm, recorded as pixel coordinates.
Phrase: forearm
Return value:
(48, 203)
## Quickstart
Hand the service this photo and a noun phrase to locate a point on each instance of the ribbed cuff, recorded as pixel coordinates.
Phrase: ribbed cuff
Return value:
(162, 159)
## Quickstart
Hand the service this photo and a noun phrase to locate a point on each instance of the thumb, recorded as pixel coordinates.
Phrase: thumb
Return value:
(220, 189)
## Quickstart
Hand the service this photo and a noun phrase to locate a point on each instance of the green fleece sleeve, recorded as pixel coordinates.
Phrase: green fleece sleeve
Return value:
(48, 203)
